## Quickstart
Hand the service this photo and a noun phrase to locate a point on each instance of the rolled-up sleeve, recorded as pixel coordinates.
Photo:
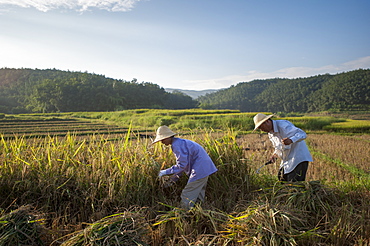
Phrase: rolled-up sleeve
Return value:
(292, 154)
(292, 132)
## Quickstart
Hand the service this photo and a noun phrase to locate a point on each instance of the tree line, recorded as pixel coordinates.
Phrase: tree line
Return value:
(349, 91)
(52, 90)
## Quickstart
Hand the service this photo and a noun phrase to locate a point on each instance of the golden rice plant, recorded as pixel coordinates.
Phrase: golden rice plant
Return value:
(77, 177)
(233, 171)
(83, 179)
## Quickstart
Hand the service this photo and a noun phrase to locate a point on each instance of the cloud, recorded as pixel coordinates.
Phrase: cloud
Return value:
(291, 72)
(295, 72)
(78, 5)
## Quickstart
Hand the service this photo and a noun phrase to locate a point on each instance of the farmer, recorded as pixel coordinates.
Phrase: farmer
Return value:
(192, 159)
(289, 144)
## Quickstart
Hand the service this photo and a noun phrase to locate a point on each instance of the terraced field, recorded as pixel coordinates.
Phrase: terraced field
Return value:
(56, 127)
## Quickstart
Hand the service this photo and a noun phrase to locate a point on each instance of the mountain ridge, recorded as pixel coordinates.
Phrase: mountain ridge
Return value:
(192, 93)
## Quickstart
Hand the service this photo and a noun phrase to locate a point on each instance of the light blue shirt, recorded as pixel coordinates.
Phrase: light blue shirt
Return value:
(294, 153)
(192, 159)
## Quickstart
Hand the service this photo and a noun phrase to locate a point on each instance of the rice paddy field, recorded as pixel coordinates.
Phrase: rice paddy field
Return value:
(92, 179)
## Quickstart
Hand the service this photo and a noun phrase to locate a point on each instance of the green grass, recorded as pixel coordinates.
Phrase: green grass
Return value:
(313, 123)
(353, 126)
(150, 119)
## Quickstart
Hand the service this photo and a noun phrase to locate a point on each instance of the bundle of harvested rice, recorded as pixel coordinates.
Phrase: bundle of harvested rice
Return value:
(264, 224)
(21, 227)
(128, 228)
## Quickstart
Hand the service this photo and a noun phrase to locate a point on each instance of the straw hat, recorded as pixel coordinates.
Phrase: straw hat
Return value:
(163, 132)
(259, 119)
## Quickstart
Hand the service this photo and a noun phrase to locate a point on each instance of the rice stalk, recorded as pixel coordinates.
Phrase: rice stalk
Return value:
(81, 181)
(21, 227)
(185, 227)
(265, 224)
(127, 228)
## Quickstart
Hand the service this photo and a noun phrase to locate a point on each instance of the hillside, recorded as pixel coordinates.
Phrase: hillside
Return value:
(51, 90)
(348, 91)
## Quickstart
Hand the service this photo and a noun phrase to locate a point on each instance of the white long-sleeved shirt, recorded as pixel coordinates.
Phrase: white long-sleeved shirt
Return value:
(293, 154)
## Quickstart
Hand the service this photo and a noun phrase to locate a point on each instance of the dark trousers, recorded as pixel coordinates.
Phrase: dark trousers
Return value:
(298, 174)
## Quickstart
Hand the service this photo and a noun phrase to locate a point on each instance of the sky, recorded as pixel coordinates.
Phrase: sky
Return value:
(187, 44)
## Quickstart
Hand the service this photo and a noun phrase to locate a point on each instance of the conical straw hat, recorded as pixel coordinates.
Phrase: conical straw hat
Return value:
(259, 119)
(163, 132)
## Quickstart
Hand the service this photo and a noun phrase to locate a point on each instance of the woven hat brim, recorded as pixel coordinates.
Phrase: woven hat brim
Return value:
(261, 122)
(156, 140)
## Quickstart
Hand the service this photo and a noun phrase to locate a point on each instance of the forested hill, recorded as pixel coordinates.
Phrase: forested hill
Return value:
(344, 91)
(51, 90)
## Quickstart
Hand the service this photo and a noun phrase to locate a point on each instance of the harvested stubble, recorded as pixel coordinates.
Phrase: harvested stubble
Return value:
(337, 159)
(352, 150)
(56, 127)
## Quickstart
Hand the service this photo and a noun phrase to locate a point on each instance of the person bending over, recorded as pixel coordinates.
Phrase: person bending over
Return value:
(191, 159)
(288, 142)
